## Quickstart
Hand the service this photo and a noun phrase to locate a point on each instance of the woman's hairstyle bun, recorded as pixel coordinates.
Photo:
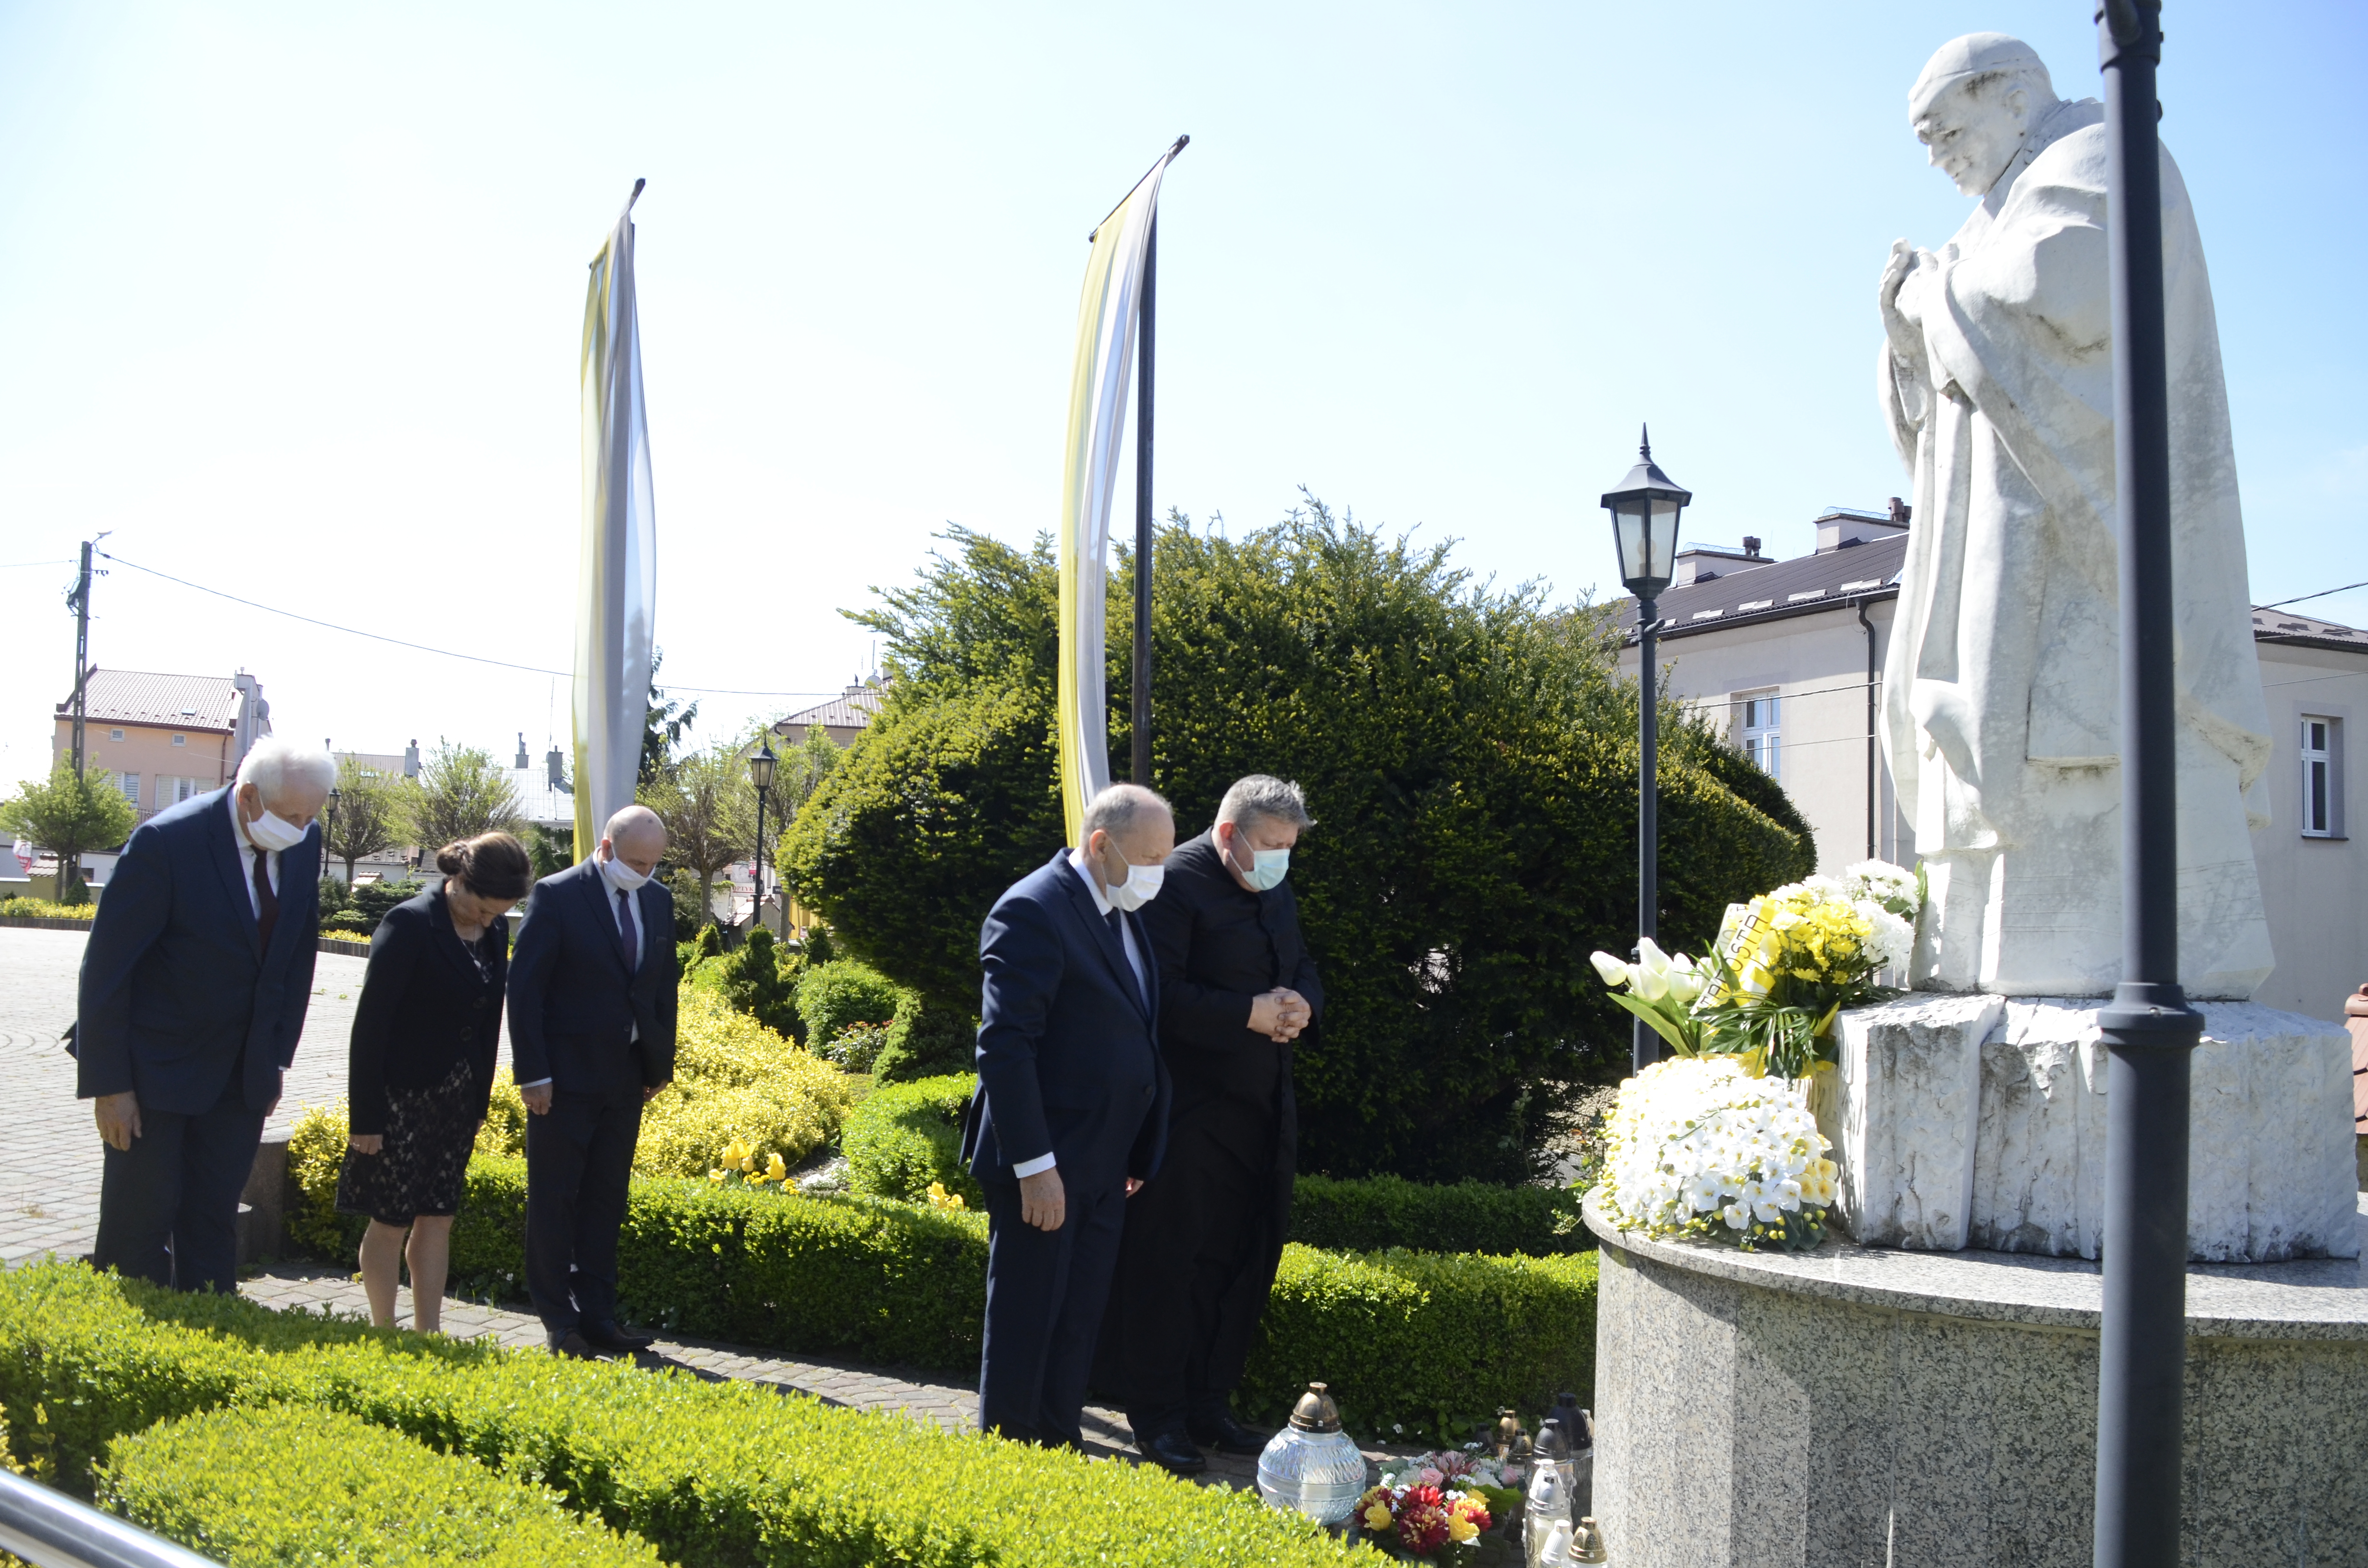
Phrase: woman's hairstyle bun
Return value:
(492, 865)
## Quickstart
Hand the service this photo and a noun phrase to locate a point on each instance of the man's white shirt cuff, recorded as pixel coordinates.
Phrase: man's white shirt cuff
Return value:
(1036, 1166)
(536, 1085)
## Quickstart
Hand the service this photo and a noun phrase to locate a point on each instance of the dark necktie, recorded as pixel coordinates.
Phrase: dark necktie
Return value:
(625, 924)
(1118, 929)
(266, 903)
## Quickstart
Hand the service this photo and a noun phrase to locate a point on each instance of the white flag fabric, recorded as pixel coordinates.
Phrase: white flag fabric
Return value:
(617, 580)
(1107, 315)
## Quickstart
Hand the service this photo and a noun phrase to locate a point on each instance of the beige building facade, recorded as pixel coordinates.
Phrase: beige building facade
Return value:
(1785, 658)
(164, 737)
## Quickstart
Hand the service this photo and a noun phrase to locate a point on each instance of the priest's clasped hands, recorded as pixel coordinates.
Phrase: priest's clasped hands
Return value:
(1280, 1014)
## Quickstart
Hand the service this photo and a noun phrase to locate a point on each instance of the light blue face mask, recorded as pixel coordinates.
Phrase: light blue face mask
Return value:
(1267, 868)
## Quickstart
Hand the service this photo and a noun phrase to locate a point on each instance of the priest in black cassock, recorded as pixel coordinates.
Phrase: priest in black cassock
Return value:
(1203, 1236)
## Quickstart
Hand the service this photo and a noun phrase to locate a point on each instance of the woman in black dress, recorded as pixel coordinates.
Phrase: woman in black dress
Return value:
(421, 1068)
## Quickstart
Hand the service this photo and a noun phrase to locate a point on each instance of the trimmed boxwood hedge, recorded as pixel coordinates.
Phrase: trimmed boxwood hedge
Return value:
(708, 1473)
(1375, 1212)
(905, 1136)
(1429, 1341)
(908, 1135)
(1423, 1344)
(277, 1484)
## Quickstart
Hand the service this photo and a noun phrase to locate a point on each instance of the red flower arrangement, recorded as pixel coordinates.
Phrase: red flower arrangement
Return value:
(1423, 1518)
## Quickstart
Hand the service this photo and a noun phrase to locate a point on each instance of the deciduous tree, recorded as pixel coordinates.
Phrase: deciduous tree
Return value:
(70, 817)
(367, 818)
(710, 811)
(459, 793)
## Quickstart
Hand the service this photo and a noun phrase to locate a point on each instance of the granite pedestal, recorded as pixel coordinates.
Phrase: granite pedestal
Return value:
(1860, 1407)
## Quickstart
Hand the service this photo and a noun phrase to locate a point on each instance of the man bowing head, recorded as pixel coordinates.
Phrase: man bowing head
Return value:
(1071, 1112)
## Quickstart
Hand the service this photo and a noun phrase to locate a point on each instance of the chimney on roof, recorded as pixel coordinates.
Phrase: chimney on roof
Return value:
(555, 767)
(1751, 545)
(522, 764)
(1900, 511)
(1841, 527)
(411, 760)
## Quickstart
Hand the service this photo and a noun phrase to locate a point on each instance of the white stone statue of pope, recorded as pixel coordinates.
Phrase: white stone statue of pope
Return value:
(2001, 682)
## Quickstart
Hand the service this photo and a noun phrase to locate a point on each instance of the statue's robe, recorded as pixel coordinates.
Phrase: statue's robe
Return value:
(2001, 682)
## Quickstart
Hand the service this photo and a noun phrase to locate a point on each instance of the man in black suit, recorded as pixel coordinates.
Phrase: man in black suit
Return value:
(193, 991)
(1071, 1108)
(1237, 988)
(592, 1028)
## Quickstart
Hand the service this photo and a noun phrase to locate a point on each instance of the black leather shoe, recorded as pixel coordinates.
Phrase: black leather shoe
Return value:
(575, 1345)
(608, 1336)
(1227, 1436)
(1173, 1452)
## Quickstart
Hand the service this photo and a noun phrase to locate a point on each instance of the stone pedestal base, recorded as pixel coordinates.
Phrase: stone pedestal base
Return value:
(1980, 1121)
(1854, 1407)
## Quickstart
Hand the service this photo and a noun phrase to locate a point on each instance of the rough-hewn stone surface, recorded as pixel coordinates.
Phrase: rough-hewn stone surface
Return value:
(1980, 1121)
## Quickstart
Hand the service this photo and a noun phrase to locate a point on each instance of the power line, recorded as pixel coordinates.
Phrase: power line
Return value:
(2320, 594)
(420, 647)
(5, 565)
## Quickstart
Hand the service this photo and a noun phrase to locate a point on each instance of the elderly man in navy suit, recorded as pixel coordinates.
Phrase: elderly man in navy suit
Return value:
(192, 997)
(592, 1032)
(1071, 1112)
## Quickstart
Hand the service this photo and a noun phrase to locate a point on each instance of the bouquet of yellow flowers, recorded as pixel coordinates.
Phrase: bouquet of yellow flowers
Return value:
(1784, 965)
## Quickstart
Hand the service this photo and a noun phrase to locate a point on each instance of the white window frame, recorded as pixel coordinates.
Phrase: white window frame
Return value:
(129, 784)
(1760, 729)
(180, 740)
(2321, 776)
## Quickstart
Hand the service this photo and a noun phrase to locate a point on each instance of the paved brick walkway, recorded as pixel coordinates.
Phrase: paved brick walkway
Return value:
(48, 1198)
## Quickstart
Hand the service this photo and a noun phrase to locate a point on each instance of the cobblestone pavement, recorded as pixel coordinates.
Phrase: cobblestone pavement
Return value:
(847, 1383)
(49, 1160)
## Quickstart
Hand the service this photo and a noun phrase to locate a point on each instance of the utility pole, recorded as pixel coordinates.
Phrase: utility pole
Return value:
(80, 600)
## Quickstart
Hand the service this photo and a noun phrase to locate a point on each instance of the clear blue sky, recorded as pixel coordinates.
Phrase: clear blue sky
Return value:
(290, 296)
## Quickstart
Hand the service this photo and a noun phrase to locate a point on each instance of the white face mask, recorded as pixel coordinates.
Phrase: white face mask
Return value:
(1267, 868)
(269, 833)
(621, 877)
(1142, 885)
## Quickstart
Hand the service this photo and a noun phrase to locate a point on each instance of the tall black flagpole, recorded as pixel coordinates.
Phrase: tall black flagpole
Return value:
(2149, 1029)
(1148, 330)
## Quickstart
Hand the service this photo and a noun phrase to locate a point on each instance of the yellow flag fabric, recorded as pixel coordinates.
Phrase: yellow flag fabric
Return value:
(1106, 315)
(617, 578)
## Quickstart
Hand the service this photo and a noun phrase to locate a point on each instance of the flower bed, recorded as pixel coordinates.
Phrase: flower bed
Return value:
(706, 1472)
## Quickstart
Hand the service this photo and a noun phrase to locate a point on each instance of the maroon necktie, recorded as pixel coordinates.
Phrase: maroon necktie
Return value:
(625, 924)
(266, 903)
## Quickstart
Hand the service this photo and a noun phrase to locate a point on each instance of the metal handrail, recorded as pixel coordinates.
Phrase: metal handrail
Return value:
(52, 1530)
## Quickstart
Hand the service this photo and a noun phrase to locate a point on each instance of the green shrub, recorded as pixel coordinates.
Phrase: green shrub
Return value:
(1421, 1346)
(926, 1039)
(760, 980)
(1374, 1213)
(44, 909)
(349, 923)
(373, 900)
(708, 1473)
(845, 991)
(905, 1136)
(280, 1486)
(1401, 1335)
(1470, 753)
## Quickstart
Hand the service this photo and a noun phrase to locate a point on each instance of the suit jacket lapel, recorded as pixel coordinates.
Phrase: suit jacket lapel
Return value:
(221, 844)
(449, 943)
(1113, 951)
(597, 888)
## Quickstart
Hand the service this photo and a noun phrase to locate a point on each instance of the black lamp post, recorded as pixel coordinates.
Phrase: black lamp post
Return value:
(1644, 511)
(2149, 1029)
(760, 772)
(329, 833)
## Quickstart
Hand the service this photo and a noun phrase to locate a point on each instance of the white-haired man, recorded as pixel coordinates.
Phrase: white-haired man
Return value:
(194, 985)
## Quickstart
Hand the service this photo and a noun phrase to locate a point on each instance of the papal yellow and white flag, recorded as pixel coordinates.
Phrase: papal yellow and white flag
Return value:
(1107, 315)
(617, 580)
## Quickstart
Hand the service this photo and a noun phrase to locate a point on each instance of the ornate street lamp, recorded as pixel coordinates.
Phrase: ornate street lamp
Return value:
(328, 833)
(1645, 512)
(760, 772)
